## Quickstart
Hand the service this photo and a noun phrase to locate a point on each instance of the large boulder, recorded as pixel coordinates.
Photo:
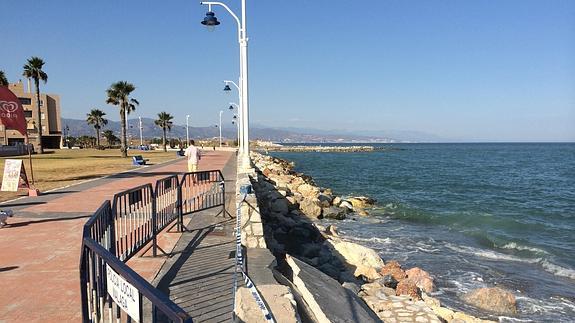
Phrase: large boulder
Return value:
(393, 268)
(308, 190)
(362, 261)
(421, 278)
(311, 207)
(408, 287)
(293, 204)
(325, 199)
(280, 205)
(336, 201)
(334, 212)
(493, 299)
(361, 202)
(346, 204)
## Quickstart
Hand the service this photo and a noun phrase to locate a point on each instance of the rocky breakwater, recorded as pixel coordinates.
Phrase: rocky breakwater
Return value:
(331, 149)
(299, 192)
(291, 206)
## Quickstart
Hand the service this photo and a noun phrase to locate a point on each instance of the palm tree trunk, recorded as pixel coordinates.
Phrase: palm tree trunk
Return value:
(164, 139)
(98, 137)
(39, 117)
(123, 139)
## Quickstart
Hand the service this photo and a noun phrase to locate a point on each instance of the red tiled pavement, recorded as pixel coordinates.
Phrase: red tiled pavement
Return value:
(39, 278)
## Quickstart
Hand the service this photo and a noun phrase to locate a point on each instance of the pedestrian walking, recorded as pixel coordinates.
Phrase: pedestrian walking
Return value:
(194, 156)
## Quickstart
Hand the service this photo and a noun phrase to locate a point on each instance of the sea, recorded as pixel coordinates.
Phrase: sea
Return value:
(472, 215)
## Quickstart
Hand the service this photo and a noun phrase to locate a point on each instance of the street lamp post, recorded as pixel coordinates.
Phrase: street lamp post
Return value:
(187, 129)
(228, 89)
(211, 21)
(221, 128)
(239, 122)
(235, 121)
(141, 134)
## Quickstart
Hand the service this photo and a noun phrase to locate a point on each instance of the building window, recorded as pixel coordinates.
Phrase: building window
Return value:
(44, 129)
(25, 101)
(41, 103)
(43, 116)
(28, 113)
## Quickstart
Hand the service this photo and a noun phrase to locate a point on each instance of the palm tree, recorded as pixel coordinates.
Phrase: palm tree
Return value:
(119, 94)
(110, 137)
(164, 121)
(3, 79)
(96, 118)
(33, 70)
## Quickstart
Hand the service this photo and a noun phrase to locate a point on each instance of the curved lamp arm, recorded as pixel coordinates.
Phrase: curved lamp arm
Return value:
(232, 82)
(211, 3)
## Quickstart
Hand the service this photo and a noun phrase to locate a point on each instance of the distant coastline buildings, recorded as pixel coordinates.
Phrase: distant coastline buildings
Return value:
(50, 114)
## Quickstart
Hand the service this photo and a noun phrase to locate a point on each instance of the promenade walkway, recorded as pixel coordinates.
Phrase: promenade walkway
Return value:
(199, 275)
(40, 249)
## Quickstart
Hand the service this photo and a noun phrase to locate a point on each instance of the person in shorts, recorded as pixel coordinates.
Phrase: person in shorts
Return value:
(194, 156)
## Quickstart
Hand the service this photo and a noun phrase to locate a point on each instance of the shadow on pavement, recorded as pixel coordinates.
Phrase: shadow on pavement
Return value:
(22, 224)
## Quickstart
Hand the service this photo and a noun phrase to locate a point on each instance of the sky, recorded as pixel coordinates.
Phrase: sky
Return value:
(478, 70)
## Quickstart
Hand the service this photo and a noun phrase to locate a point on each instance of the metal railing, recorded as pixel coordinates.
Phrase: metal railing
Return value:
(122, 228)
(98, 305)
(133, 213)
(202, 191)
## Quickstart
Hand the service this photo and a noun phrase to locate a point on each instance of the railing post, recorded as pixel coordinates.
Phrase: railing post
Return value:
(180, 205)
(154, 224)
(84, 283)
(223, 187)
(112, 221)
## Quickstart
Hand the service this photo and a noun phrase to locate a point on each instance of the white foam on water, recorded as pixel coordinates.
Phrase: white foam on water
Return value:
(513, 245)
(490, 254)
(372, 240)
(546, 264)
(503, 319)
(557, 270)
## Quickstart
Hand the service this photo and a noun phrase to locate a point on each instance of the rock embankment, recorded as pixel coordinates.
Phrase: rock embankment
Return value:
(291, 205)
(324, 149)
(298, 192)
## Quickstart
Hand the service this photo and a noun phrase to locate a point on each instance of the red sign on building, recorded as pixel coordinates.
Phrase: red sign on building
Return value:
(11, 111)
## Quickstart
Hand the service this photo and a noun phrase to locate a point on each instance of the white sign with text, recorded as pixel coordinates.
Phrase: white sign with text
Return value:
(123, 293)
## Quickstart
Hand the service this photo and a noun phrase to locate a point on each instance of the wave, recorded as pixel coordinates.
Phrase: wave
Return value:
(515, 246)
(490, 254)
(372, 239)
(557, 270)
(547, 265)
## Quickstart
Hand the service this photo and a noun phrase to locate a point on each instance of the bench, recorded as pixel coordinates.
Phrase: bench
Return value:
(138, 160)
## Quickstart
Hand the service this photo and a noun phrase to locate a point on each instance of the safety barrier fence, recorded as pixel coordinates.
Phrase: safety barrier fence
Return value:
(122, 228)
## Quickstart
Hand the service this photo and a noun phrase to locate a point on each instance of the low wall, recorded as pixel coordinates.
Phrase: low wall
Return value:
(252, 228)
(19, 150)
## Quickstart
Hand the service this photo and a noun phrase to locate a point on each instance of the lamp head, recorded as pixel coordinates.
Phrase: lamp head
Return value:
(227, 88)
(235, 117)
(210, 19)
(231, 107)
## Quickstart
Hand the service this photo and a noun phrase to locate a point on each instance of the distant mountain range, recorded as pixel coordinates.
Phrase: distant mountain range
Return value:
(281, 135)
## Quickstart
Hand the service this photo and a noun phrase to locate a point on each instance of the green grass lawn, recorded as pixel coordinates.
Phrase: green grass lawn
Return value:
(58, 168)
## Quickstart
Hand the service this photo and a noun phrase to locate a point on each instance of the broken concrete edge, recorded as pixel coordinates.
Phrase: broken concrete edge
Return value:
(278, 298)
(321, 298)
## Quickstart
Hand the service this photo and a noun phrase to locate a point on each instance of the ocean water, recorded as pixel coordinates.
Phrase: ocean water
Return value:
(473, 215)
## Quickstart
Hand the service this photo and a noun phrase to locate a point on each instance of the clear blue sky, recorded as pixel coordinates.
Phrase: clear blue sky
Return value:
(461, 70)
